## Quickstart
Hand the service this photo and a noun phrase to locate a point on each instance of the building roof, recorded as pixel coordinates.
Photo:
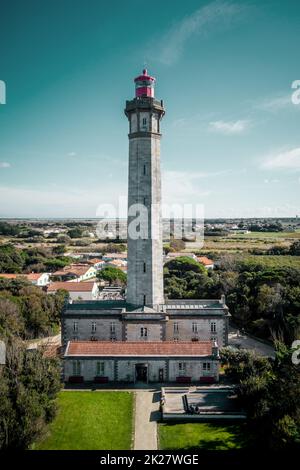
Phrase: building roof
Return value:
(77, 269)
(30, 277)
(138, 348)
(95, 261)
(94, 307)
(118, 262)
(115, 255)
(204, 260)
(34, 276)
(71, 286)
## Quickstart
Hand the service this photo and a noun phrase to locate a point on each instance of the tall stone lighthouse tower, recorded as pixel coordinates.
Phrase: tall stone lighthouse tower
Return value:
(145, 261)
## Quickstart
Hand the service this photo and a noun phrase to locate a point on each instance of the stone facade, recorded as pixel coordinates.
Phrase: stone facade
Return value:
(132, 361)
(112, 320)
(145, 254)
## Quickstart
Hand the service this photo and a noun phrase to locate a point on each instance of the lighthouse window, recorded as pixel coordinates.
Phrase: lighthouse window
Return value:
(144, 332)
(144, 121)
(144, 267)
(144, 169)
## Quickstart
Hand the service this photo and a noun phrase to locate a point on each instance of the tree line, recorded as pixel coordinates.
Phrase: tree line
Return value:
(263, 300)
(268, 390)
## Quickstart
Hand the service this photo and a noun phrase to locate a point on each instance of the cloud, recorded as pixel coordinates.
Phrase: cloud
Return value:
(272, 181)
(215, 16)
(275, 103)
(229, 127)
(5, 165)
(287, 159)
(72, 154)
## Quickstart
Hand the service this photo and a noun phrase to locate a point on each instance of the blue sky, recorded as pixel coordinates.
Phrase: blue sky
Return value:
(225, 69)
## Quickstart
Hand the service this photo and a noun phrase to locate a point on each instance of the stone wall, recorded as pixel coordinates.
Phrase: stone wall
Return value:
(124, 370)
(202, 327)
(133, 331)
(84, 333)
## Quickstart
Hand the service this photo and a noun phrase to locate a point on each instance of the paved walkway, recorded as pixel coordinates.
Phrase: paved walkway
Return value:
(243, 341)
(48, 341)
(146, 416)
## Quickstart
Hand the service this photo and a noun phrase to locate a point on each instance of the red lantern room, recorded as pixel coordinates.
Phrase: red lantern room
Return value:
(144, 85)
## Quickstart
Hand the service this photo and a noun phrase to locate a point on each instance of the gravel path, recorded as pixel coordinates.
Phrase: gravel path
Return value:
(146, 416)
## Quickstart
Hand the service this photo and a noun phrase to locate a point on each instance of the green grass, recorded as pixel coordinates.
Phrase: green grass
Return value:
(90, 421)
(201, 436)
(273, 261)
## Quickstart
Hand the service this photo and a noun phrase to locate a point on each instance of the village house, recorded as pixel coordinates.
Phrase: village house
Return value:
(75, 273)
(77, 290)
(96, 263)
(114, 256)
(37, 279)
(207, 262)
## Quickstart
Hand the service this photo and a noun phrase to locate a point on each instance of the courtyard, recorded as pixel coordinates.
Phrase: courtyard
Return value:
(88, 420)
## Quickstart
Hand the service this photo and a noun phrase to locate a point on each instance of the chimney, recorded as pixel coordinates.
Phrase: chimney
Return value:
(223, 300)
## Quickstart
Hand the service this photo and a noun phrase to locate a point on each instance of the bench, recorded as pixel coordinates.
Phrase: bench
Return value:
(207, 380)
(100, 380)
(182, 379)
(76, 379)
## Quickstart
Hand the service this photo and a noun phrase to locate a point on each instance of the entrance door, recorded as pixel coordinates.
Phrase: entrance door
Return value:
(141, 372)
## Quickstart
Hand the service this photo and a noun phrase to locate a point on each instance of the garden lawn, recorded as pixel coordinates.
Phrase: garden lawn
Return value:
(201, 436)
(90, 421)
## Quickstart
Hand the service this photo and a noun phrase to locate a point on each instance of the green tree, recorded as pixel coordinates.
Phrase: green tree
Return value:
(28, 387)
(114, 276)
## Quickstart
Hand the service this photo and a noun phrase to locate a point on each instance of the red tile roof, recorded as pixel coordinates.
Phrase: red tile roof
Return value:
(71, 286)
(10, 276)
(204, 260)
(95, 261)
(33, 276)
(30, 277)
(140, 348)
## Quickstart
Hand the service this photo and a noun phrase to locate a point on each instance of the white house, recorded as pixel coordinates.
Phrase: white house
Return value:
(37, 279)
(76, 290)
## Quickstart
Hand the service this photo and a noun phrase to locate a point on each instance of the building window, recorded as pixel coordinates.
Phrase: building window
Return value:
(144, 299)
(100, 368)
(144, 201)
(144, 121)
(94, 327)
(144, 169)
(75, 326)
(182, 368)
(213, 327)
(176, 328)
(206, 366)
(144, 332)
(76, 368)
(195, 327)
(112, 328)
(144, 267)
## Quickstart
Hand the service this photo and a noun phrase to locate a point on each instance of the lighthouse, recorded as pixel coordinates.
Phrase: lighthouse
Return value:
(145, 253)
